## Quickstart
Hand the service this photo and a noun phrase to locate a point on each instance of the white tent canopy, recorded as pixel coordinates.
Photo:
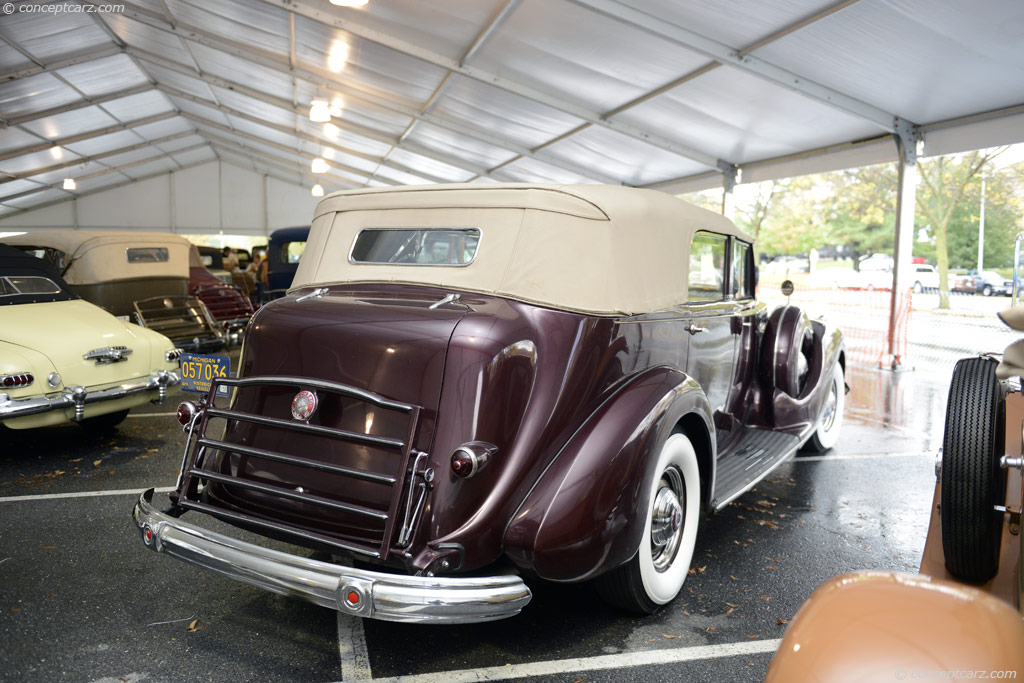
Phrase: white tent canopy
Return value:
(668, 94)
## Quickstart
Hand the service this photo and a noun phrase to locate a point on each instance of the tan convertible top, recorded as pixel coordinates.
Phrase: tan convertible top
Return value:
(599, 249)
(95, 256)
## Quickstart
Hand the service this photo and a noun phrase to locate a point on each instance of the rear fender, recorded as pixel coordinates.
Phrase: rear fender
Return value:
(587, 512)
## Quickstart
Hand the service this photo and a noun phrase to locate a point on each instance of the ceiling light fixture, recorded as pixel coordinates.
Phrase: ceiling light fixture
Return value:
(349, 3)
(318, 190)
(69, 184)
(319, 166)
(319, 111)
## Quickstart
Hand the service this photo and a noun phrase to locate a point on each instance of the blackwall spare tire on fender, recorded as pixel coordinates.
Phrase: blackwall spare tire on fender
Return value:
(972, 482)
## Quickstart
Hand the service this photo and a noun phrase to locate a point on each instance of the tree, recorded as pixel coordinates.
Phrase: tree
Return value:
(751, 215)
(944, 184)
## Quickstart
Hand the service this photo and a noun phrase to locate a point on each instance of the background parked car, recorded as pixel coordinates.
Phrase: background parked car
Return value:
(138, 276)
(284, 249)
(987, 282)
(62, 359)
(228, 305)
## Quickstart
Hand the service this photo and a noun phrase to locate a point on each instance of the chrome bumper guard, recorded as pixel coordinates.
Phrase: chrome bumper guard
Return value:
(375, 595)
(79, 397)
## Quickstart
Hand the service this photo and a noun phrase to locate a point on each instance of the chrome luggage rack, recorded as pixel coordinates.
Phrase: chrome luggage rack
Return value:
(200, 452)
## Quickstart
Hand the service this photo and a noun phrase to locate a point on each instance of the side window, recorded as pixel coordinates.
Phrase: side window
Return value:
(707, 267)
(742, 280)
(292, 251)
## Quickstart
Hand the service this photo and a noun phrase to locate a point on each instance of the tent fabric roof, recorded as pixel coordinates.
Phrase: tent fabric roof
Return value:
(666, 94)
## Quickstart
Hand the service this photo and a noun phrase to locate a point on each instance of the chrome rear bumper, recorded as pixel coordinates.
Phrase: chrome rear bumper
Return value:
(376, 595)
(79, 397)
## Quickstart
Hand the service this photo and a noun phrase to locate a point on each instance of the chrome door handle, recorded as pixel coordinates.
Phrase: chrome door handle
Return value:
(694, 329)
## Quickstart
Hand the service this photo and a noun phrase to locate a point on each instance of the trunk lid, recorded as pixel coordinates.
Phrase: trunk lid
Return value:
(43, 328)
(374, 359)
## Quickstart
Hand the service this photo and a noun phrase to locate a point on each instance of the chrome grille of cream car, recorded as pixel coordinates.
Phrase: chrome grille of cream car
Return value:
(204, 465)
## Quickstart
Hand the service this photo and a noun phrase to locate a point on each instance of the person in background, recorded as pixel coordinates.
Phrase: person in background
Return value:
(258, 268)
(230, 260)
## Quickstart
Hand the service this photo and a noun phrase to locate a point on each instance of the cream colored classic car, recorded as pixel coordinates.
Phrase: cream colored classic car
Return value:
(64, 360)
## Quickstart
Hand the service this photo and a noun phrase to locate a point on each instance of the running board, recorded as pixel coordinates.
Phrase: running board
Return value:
(758, 452)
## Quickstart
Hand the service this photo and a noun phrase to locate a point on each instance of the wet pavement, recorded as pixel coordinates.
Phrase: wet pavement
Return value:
(82, 599)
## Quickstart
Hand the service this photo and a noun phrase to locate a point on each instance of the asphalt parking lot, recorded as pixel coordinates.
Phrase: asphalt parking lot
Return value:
(82, 599)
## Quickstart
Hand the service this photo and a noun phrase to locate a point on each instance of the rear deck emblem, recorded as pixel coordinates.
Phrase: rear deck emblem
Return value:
(304, 405)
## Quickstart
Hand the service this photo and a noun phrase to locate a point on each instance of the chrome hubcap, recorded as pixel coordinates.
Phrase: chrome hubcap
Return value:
(828, 417)
(667, 519)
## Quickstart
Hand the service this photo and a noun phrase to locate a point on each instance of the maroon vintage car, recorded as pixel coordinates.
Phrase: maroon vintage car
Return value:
(471, 384)
(228, 306)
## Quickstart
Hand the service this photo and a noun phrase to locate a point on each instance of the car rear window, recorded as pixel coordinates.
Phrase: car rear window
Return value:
(416, 246)
(27, 284)
(148, 255)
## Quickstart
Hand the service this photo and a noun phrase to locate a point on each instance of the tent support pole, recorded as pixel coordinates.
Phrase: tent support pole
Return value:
(907, 137)
(730, 176)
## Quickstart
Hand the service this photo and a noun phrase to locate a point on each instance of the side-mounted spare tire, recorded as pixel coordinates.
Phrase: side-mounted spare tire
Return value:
(787, 349)
(972, 481)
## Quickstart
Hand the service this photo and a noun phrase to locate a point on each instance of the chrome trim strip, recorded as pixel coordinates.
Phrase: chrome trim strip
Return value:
(79, 397)
(389, 597)
(228, 480)
(296, 460)
(305, 427)
(318, 384)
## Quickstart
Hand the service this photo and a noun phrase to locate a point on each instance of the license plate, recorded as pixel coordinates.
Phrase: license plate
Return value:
(198, 372)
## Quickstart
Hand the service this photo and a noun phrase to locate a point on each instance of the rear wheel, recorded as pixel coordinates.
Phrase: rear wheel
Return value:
(918, 288)
(987, 291)
(103, 423)
(972, 482)
(831, 420)
(656, 573)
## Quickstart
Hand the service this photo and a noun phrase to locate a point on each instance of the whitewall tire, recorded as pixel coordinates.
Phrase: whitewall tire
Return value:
(826, 434)
(655, 575)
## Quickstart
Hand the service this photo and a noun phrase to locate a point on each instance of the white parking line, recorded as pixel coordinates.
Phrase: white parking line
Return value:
(82, 494)
(355, 659)
(861, 456)
(623, 660)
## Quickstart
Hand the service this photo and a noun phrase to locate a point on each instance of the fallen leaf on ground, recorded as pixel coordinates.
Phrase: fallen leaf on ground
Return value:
(665, 635)
(194, 626)
(75, 460)
(753, 635)
(49, 547)
(96, 463)
(767, 523)
(709, 629)
(781, 622)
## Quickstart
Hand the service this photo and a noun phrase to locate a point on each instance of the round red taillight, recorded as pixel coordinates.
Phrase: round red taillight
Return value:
(353, 598)
(186, 412)
(462, 464)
